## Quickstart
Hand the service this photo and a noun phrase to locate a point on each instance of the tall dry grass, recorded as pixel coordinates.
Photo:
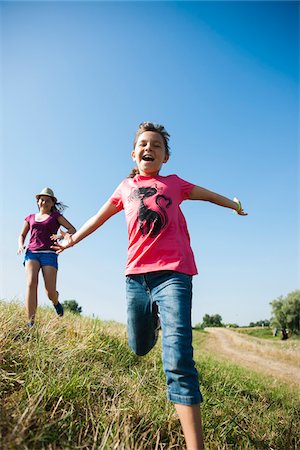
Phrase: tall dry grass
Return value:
(73, 383)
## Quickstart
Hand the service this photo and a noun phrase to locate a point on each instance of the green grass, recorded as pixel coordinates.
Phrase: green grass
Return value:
(73, 383)
(243, 409)
(264, 333)
(260, 332)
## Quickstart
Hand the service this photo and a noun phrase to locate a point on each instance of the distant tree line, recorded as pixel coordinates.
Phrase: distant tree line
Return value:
(216, 320)
(260, 323)
(285, 316)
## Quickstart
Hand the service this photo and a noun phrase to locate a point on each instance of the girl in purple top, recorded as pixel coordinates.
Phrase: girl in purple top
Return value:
(159, 267)
(43, 228)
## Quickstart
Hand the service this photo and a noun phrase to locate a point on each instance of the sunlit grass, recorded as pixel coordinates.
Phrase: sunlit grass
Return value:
(243, 406)
(73, 383)
(266, 333)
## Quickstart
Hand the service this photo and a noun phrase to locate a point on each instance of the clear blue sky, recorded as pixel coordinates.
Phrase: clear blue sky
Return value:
(223, 77)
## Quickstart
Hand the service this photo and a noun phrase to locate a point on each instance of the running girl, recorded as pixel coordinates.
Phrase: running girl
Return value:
(43, 228)
(160, 267)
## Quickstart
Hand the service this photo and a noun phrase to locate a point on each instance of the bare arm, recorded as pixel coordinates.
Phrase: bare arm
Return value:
(61, 234)
(67, 225)
(107, 211)
(199, 193)
(22, 237)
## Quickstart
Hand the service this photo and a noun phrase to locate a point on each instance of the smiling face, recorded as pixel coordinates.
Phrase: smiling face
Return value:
(45, 204)
(149, 153)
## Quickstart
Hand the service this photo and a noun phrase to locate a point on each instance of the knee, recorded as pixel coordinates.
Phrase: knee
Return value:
(140, 339)
(138, 349)
(32, 283)
(140, 352)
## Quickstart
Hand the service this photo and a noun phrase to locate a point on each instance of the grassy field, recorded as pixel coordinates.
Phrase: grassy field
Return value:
(264, 333)
(73, 383)
(260, 332)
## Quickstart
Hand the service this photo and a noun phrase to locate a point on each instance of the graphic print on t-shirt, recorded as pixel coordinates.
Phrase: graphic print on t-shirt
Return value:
(148, 218)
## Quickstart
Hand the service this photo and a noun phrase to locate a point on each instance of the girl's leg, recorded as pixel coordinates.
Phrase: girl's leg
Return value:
(190, 419)
(173, 293)
(141, 322)
(50, 276)
(32, 274)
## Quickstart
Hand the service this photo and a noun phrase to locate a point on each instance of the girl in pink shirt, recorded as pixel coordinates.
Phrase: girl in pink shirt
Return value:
(160, 266)
(43, 228)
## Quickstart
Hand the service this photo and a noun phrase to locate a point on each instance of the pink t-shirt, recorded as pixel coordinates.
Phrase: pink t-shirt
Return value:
(41, 232)
(157, 230)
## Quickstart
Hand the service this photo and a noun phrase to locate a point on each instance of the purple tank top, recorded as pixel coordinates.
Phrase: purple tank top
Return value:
(41, 231)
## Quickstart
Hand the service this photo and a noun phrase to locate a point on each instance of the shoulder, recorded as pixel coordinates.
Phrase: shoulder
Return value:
(56, 215)
(180, 185)
(176, 179)
(125, 181)
(126, 184)
(120, 189)
(171, 179)
(29, 218)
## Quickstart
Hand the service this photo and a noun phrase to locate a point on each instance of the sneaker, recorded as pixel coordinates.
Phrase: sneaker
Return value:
(59, 309)
(30, 324)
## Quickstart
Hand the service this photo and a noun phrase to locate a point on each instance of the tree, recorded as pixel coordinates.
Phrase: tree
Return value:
(72, 306)
(286, 312)
(210, 321)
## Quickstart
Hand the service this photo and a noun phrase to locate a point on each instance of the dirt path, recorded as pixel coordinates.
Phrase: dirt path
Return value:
(272, 358)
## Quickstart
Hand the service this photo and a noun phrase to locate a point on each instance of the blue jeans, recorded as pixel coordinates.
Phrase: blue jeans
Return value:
(171, 293)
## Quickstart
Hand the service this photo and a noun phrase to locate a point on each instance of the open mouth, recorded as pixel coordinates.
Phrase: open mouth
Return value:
(147, 158)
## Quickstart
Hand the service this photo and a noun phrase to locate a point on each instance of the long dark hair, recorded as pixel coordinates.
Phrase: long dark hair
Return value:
(157, 128)
(58, 206)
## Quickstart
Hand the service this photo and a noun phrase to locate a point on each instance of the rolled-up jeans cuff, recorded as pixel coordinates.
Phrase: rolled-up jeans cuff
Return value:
(184, 399)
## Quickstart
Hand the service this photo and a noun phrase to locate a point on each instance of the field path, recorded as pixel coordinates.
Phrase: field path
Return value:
(278, 359)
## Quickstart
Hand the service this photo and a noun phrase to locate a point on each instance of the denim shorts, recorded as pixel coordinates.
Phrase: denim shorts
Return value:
(45, 259)
(171, 293)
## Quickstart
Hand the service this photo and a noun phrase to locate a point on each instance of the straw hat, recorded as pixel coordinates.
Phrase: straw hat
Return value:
(47, 191)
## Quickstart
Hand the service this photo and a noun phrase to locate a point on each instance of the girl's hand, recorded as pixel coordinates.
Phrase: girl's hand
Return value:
(58, 237)
(21, 249)
(240, 210)
(55, 237)
(66, 243)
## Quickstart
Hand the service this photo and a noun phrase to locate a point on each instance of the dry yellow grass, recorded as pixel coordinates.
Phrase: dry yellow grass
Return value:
(73, 383)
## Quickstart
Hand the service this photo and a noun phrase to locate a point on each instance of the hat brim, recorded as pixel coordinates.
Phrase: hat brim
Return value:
(46, 195)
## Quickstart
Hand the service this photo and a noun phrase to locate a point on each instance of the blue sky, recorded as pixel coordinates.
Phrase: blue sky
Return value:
(223, 78)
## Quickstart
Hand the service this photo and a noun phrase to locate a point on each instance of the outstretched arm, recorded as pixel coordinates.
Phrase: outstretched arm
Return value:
(199, 193)
(107, 211)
